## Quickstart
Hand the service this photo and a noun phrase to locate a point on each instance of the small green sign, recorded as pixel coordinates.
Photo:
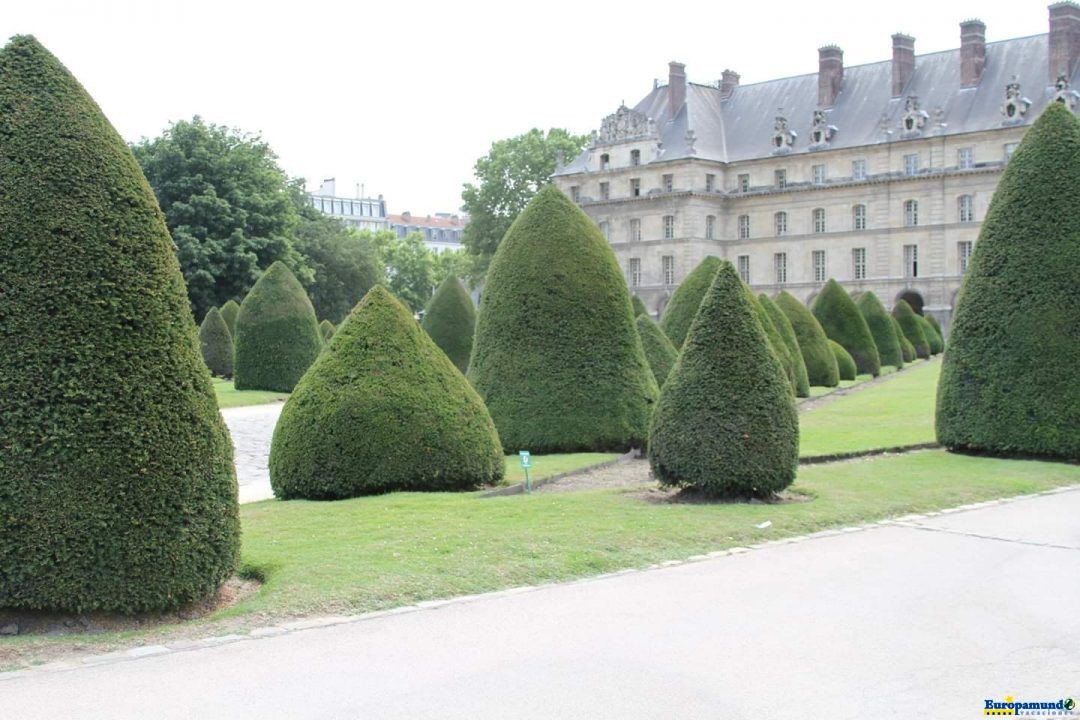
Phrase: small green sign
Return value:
(526, 459)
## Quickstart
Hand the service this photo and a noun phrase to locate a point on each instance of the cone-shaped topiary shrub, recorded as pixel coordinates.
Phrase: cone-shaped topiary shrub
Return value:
(787, 334)
(217, 344)
(813, 344)
(229, 311)
(382, 409)
(327, 329)
(639, 306)
(683, 305)
(450, 320)
(117, 487)
(841, 320)
(881, 328)
(775, 341)
(277, 334)
(905, 345)
(937, 345)
(912, 328)
(937, 326)
(556, 356)
(726, 423)
(1010, 381)
(845, 364)
(659, 351)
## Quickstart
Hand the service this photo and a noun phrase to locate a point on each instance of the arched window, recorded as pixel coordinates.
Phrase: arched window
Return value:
(780, 221)
(819, 220)
(911, 213)
(858, 217)
(965, 209)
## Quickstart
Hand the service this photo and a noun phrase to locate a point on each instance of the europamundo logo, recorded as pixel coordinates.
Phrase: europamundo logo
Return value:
(1063, 707)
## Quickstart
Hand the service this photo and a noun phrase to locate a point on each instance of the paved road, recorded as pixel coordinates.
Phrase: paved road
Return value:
(925, 619)
(251, 429)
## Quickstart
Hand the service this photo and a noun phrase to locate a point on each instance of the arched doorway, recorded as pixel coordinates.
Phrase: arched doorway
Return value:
(912, 298)
(811, 298)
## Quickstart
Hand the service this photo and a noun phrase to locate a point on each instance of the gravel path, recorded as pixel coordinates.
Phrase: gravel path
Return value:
(251, 429)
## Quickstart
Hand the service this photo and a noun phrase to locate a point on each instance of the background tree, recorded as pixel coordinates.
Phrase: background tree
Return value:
(507, 178)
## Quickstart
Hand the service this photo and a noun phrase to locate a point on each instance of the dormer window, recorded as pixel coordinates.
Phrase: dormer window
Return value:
(1016, 105)
(635, 157)
(914, 118)
(605, 161)
(783, 137)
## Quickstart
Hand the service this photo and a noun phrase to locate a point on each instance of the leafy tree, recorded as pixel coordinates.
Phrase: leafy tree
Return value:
(412, 269)
(227, 204)
(217, 344)
(508, 177)
(450, 320)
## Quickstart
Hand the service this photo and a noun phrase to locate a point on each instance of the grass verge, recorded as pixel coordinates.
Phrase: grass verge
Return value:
(229, 397)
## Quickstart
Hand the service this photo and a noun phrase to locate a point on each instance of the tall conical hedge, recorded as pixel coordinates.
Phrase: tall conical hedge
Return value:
(936, 325)
(327, 329)
(813, 343)
(229, 311)
(841, 320)
(382, 409)
(684, 302)
(775, 341)
(277, 334)
(639, 306)
(1010, 381)
(906, 347)
(726, 423)
(912, 328)
(450, 320)
(881, 328)
(791, 344)
(937, 345)
(216, 343)
(845, 364)
(556, 356)
(117, 487)
(659, 351)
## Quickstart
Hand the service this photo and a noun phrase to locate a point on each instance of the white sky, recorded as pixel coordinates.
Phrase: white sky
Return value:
(403, 96)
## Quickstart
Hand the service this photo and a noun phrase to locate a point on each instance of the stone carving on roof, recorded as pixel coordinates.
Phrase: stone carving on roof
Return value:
(1016, 105)
(691, 138)
(821, 132)
(623, 125)
(1063, 93)
(914, 118)
(784, 137)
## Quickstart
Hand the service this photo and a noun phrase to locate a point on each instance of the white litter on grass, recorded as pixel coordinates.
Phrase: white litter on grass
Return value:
(762, 526)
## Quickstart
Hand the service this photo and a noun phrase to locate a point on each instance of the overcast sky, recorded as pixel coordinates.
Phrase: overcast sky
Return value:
(403, 96)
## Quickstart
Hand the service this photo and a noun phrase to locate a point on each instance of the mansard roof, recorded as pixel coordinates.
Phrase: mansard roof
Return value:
(741, 126)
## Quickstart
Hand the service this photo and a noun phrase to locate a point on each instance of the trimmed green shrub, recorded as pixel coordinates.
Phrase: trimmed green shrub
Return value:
(787, 334)
(117, 487)
(881, 328)
(937, 345)
(905, 345)
(726, 423)
(683, 305)
(216, 343)
(842, 322)
(845, 364)
(229, 311)
(450, 320)
(912, 328)
(659, 351)
(813, 344)
(639, 306)
(936, 325)
(1010, 381)
(556, 356)
(382, 409)
(775, 341)
(277, 334)
(327, 329)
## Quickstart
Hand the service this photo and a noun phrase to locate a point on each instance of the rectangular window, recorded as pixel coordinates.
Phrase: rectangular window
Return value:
(858, 169)
(964, 248)
(710, 227)
(819, 176)
(668, 264)
(965, 158)
(858, 217)
(1010, 148)
(744, 227)
(744, 182)
(819, 220)
(605, 161)
(605, 191)
(744, 268)
(911, 213)
(911, 164)
(858, 262)
(635, 272)
(780, 179)
(605, 229)
(575, 193)
(669, 227)
(635, 230)
(780, 265)
(710, 182)
(635, 157)
(818, 258)
(911, 261)
(635, 187)
(668, 182)
(965, 208)
(780, 220)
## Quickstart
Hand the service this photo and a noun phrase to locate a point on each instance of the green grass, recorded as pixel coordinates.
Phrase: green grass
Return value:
(898, 412)
(544, 466)
(229, 397)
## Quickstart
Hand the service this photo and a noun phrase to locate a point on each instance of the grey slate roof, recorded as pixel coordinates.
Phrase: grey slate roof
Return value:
(741, 126)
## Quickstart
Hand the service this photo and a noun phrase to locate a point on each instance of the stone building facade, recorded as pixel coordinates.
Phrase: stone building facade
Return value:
(877, 175)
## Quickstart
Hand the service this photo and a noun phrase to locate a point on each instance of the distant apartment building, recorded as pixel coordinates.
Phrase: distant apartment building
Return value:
(441, 231)
(361, 213)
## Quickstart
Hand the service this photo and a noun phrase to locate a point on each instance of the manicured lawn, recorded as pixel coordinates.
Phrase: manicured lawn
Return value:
(230, 397)
(898, 412)
(544, 466)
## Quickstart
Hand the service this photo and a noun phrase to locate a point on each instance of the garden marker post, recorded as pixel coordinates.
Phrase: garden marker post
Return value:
(526, 463)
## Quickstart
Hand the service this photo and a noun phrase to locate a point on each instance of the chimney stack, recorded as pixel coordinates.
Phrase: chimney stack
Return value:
(729, 80)
(830, 74)
(676, 87)
(972, 52)
(1064, 39)
(903, 62)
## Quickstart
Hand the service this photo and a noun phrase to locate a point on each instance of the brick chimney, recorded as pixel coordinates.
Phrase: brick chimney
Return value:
(676, 87)
(1064, 39)
(830, 74)
(972, 52)
(903, 62)
(729, 80)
